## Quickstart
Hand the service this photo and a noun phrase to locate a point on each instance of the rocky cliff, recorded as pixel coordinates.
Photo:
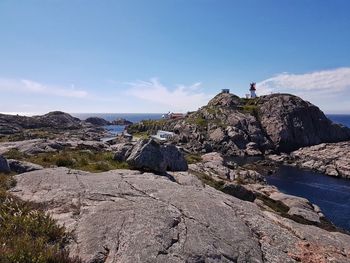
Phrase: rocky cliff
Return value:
(236, 126)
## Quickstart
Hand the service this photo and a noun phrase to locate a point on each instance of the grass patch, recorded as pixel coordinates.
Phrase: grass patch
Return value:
(141, 135)
(208, 180)
(15, 154)
(193, 158)
(86, 160)
(252, 109)
(29, 134)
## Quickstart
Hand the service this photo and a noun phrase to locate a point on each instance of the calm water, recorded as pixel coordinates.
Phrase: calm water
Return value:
(331, 194)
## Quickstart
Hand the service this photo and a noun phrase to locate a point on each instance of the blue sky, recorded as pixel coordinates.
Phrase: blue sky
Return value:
(160, 55)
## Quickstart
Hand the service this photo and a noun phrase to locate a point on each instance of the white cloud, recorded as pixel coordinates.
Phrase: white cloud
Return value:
(33, 87)
(328, 89)
(317, 84)
(182, 98)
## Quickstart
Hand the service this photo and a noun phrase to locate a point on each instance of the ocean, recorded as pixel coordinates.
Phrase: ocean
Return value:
(340, 118)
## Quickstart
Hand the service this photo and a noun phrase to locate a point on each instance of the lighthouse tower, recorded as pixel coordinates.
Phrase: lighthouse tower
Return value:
(252, 90)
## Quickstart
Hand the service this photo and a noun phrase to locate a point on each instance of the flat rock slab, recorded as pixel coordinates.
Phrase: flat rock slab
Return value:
(126, 216)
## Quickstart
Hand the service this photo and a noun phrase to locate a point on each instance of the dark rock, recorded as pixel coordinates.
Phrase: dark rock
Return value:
(174, 159)
(4, 166)
(239, 191)
(147, 155)
(122, 151)
(23, 166)
(97, 121)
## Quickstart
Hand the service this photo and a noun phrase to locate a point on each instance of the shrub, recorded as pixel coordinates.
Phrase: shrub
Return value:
(27, 233)
(15, 154)
(66, 162)
(193, 158)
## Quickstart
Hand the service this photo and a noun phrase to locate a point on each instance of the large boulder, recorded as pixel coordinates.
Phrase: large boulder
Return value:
(4, 166)
(149, 155)
(126, 216)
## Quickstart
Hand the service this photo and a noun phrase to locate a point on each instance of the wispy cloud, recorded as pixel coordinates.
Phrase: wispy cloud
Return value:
(316, 84)
(33, 87)
(181, 98)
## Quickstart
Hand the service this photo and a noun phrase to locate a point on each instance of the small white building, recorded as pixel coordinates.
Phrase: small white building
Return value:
(163, 135)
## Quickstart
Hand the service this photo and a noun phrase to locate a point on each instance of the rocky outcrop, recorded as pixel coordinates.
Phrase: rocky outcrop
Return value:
(235, 126)
(97, 121)
(149, 155)
(328, 158)
(126, 216)
(4, 166)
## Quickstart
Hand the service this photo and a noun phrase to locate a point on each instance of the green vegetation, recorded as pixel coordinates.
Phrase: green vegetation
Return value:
(252, 109)
(206, 179)
(85, 160)
(27, 233)
(193, 158)
(141, 135)
(146, 127)
(29, 134)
